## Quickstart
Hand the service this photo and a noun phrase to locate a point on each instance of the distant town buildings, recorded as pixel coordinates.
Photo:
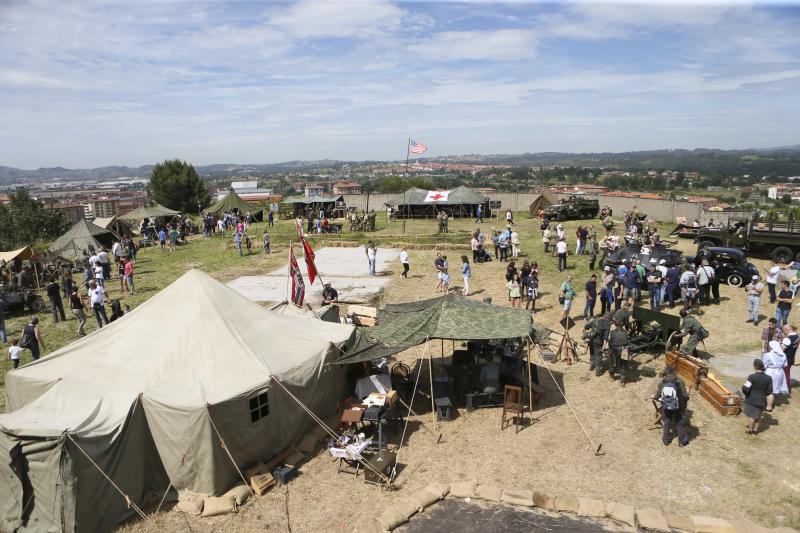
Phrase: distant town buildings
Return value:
(347, 187)
(249, 191)
(314, 189)
(105, 207)
(585, 188)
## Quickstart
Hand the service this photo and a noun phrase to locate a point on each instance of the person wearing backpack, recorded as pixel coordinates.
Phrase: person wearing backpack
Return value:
(692, 328)
(674, 398)
(688, 284)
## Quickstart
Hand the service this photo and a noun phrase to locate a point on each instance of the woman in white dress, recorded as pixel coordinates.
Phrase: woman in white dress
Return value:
(774, 360)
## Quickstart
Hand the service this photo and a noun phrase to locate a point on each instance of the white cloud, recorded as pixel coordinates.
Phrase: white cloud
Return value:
(499, 45)
(18, 78)
(336, 18)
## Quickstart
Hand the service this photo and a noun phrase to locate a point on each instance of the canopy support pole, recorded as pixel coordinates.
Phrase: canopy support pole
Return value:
(430, 372)
(530, 380)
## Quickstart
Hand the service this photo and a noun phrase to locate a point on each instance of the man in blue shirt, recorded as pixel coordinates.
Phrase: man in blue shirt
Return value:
(621, 271)
(673, 281)
(633, 284)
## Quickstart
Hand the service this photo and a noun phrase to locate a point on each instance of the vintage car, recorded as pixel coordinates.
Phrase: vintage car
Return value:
(732, 268)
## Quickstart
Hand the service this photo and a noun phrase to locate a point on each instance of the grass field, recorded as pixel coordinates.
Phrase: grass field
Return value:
(722, 473)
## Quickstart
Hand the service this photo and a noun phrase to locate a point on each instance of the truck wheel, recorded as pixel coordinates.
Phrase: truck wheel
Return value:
(782, 254)
(735, 280)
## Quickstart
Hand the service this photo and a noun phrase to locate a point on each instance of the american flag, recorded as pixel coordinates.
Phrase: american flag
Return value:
(417, 147)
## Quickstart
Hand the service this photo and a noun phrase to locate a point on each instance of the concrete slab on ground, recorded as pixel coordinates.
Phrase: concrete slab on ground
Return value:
(346, 269)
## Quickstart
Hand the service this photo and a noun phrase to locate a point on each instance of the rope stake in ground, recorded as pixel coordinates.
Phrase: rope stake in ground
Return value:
(598, 448)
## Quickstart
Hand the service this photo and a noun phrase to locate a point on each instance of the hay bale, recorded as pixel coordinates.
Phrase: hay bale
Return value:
(522, 497)
(708, 524)
(490, 493)
(567, 504)
(545, 501)
(424, 499)
(679, 522)
(591, 507)
(463, 489)
(652, 519)
(391, 518)
(621, 513)
(439, 489)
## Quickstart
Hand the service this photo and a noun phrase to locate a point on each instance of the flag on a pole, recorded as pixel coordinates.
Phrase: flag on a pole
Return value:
(308, 254)
(298, 287)
(416, 147)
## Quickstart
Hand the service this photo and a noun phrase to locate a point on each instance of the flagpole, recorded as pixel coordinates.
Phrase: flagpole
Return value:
(289, 276)
(405, 173)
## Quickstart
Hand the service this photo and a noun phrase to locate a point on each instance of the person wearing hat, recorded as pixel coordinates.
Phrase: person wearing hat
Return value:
(662, 267)
(757, 392)
(774, 362)
(674, 398)
(329, 294)
(754, 290)
(705, 277)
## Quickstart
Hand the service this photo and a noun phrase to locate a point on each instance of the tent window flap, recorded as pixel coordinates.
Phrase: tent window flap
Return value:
(259, 407)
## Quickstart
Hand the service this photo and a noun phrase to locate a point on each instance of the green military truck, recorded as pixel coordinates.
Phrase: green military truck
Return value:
(573, 207)
(770, 236)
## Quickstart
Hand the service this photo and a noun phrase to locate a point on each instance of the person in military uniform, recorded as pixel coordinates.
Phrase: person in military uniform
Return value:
(692, 328)
(597, 337)
(617, 344)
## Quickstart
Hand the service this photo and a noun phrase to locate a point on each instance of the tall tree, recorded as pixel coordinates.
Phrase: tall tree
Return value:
(25, 220)
(176, 184)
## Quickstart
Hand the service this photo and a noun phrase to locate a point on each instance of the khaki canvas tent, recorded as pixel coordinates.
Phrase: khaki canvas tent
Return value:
(542, 201)
(23, 254)
(83, 236)
(151, 212)
(233, 201)
(459, 202)
(115, 224)
(148, 399)
(295, 206)
(328, 313)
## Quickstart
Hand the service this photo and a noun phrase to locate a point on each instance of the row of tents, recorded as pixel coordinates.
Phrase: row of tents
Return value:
(150, 405)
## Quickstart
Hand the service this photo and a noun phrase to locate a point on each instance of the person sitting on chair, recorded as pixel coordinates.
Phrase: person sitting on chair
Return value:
(490, 375)
(329, 295)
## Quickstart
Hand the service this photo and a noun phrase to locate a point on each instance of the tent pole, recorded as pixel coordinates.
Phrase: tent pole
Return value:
(430, 373)
(442, 357)
(530, 380)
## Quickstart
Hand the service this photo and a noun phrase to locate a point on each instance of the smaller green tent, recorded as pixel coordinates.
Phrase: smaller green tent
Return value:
(83, 236)
(233, 201)
(151, 212)
(459, 202)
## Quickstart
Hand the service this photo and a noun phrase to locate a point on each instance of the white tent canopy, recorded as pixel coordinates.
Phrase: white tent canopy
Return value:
(143, 394)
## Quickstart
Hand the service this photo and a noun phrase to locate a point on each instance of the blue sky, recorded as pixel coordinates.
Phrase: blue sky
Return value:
(96, 83)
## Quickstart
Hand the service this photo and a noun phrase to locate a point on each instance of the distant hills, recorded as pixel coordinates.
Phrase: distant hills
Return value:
(784, 160)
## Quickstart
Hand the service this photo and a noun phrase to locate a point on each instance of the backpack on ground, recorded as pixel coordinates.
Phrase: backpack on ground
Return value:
(670, 396)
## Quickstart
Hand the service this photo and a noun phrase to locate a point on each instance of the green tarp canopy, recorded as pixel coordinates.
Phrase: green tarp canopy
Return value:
(458, 196)
(149, 211)
(233, 201)
(455, 317)
(83, 236)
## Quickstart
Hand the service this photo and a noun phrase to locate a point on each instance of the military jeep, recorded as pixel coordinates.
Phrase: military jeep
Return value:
(573, 208)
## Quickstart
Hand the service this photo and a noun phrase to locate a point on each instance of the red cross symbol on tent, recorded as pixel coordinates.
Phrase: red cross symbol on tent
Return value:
(437, 196)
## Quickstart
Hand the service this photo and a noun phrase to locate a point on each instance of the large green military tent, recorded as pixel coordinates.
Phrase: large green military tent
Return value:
(83, 236)
(459, 202)
(233, 201)
(147, 404)
(150, 212)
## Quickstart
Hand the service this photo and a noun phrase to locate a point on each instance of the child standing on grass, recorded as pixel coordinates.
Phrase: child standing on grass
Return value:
(446, 282)
(13, 352)
(466, 270)
(514, 290)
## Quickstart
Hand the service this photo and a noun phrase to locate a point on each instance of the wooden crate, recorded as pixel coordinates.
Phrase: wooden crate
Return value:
(361, 320)
(363, 310)
(720, 398)
(689, 368)
(261, 483)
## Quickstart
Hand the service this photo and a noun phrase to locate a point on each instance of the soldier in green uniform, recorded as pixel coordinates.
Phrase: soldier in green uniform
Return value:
(697, 333)
(597, 338)
(617, 343)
